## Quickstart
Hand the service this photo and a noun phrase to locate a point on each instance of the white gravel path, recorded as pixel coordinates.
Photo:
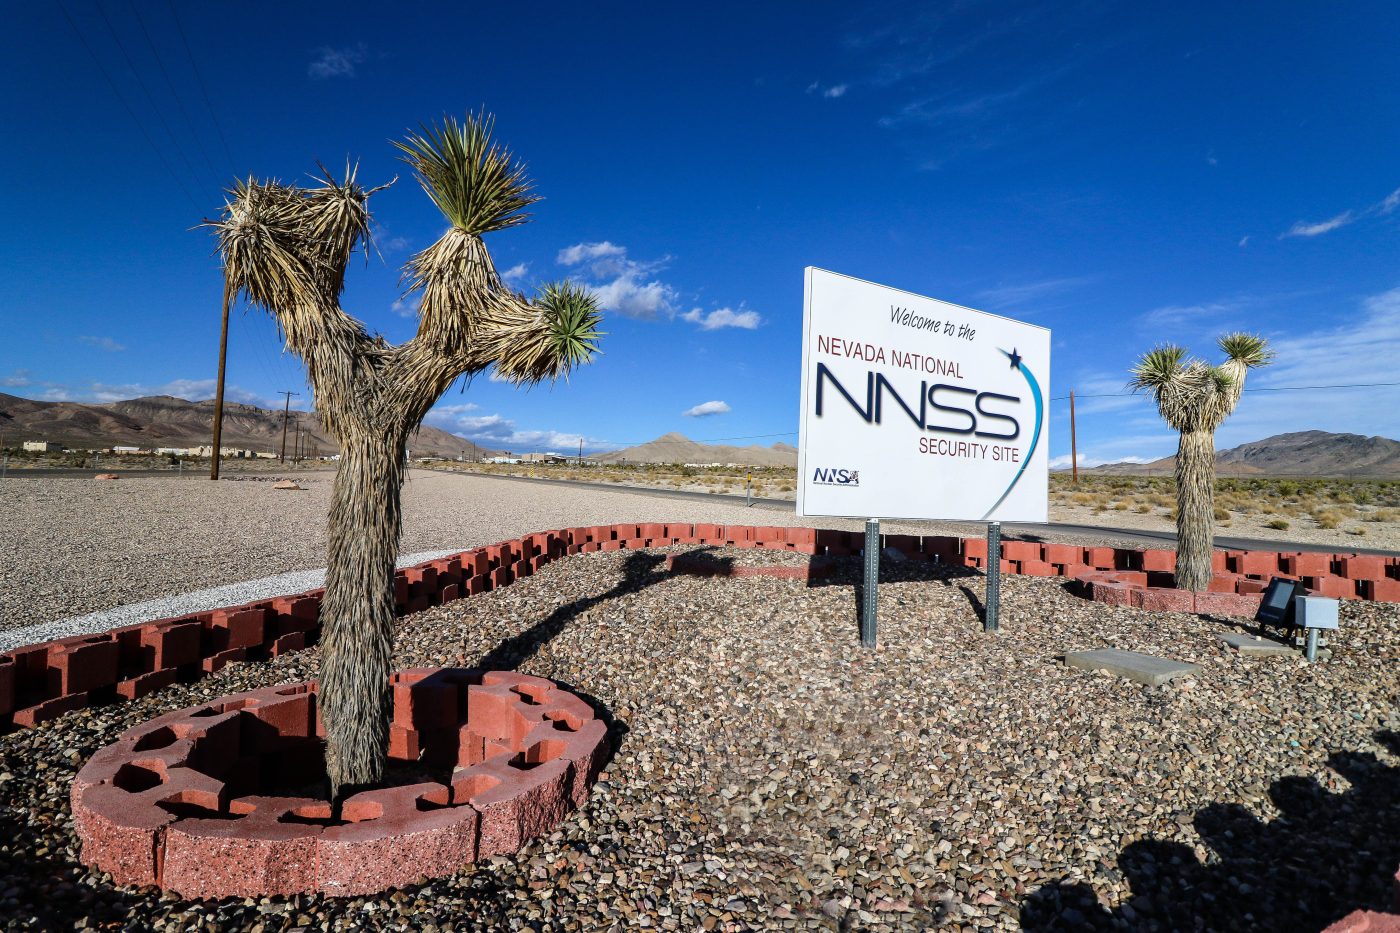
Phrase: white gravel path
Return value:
(178, 604)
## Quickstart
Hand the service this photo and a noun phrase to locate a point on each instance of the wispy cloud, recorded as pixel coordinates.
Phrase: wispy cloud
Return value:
(620, 284)
(516, 273)
(194, 390)
(723, 317)
(404, 307)
(1217, 313)
(336, 62)
(1005, 296)
(498, 431)
(102, 343)
(1303, 228)
(830, 92)
(716, 407)
(18, 379)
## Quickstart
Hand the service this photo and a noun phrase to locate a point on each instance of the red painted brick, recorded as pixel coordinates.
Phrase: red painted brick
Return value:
(1364, 567)
(285, 644)
(1126, 559)
(1387, 591)
(1038, 568)
(1157, 599)
(1063, 554)
(234, 628)
(49, 709)
(1334, 587)
(709, 534)
(1306, 565)
(7, 685)
(1366, 921)
(136, 687)
(801, 539)
(1020, 550)
(1226, 604)
(450, 593)
(1100, 558)
(216, 661)
(974, 547)
(1155, 559)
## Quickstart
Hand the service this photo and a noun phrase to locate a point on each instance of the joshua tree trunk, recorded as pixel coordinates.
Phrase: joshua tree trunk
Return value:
(1195, 509)
(358, 610)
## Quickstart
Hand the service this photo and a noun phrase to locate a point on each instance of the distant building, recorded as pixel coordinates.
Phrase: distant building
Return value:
(502, 460)
(42, 447)
(236, 453)
(119, 449)
(175, 451)
(543, 458)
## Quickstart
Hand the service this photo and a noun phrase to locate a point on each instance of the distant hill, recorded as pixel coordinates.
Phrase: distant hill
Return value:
(165, 421)
(677, 448)
(1306, 453)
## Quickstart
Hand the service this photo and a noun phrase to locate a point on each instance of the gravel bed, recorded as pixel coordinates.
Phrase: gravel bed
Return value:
(230, 594)
(71, 546)
(771, 775)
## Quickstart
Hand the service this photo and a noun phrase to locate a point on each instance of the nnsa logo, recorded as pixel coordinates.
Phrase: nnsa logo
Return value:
(825, 476)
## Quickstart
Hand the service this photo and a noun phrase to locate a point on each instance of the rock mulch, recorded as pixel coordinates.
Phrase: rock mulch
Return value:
(771, 775)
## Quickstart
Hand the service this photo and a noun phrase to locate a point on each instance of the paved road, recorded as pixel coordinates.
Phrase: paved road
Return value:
(1029, 531)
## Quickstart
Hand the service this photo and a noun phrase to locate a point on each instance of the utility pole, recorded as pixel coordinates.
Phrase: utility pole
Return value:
(286, 410)
(219, 390)
(1073, 441)
(580, 451)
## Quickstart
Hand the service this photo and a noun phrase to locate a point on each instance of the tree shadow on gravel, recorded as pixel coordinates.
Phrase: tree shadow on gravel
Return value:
(850, 571)
(1325, 856)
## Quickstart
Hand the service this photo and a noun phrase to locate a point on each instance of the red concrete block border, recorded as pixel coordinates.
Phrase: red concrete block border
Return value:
(181, 801)
(40, 682)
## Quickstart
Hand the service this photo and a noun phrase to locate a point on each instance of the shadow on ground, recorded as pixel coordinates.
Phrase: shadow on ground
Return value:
(1325, 856)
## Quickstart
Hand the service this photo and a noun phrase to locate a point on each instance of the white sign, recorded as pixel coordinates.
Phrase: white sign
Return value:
(917, 408)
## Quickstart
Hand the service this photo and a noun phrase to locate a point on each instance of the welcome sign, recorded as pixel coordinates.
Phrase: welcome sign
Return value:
(917, 408)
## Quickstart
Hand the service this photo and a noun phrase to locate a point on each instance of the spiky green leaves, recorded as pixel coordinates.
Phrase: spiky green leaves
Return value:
(475, 182)
(572, 314)
(1250, 350)
(1158, 367)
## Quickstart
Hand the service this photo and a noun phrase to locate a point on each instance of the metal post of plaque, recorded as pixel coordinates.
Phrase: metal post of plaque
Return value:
(872, 583)
(991, 620)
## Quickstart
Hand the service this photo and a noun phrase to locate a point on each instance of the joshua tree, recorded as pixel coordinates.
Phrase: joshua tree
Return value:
(286, 248)
(1194, 397)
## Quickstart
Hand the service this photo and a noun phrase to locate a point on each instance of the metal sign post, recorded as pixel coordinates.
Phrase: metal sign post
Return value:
(991, 619)
(872, 583)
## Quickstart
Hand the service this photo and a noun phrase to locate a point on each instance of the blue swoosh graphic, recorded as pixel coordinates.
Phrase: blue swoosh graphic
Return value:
(1035, 438)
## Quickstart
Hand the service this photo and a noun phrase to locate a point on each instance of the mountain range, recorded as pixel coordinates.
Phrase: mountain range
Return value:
(677, 448)
(1302, 453)
(165, 421)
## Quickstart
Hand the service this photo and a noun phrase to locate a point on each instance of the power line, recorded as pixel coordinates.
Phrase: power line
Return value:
(126, 106)
(141, 82)
(155, 53)
(1349, 385)
(199, 79)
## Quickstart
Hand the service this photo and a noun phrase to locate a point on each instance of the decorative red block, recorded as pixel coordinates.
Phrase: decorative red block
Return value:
(1100, 558)
(974, 547)
(1335, 587)
(234, 628)
(1020, 550)
(1366, 921)
(1157, 599)
(1306, 565)
(1387, 591)
(1226, 604)
(216, 661)
(1256, 563)
(285, 644)
(30, 716)
(1037, 568)
(136, 687)
(7, 685)
(1364, 567)
(1062, 554)
(1158, 560)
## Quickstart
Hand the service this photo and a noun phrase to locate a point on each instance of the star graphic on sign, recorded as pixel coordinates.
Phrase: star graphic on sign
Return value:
(1015, 358)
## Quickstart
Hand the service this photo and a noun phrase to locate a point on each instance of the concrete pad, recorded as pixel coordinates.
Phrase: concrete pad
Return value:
(1250, 645)
(1142, 668)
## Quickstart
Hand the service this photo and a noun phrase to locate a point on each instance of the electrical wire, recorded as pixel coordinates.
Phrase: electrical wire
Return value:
(199, 79)
(160, 63)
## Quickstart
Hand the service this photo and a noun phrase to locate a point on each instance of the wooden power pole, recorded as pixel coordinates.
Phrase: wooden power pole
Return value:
(1073, 441)
(219, 390)
(286, 410)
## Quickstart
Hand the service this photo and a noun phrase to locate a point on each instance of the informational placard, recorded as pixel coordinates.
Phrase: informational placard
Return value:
(917, 408)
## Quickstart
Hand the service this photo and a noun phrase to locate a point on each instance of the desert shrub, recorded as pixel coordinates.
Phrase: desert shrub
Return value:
(1327, 518)
(1120, 506)
(1287, 488)
(1383, 515)
(1358, 531)
(1279, 524)
(1081, 498)
(1143, 508)
(1221, 515)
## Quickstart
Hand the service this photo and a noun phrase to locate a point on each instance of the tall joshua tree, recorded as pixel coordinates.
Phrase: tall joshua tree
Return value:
(286, 248)
(1194, 397)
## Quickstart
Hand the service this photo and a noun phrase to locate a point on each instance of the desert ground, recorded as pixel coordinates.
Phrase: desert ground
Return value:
(72, 545)
(770, 775)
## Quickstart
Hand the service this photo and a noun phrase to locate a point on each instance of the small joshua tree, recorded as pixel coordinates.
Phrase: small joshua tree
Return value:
(1194, 397)
(286, 248)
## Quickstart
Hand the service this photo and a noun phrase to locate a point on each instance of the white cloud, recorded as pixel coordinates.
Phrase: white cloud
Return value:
(336, 63)
(1302, 228)
(619, 284)
(837, 90)
(404, 308)
(1012, 295)
(1244, 241)
(515, 273)
(16, 380)
(1217, 313)
(394, 244)
(723, 317)
(102, 343)
(1390, 202)
(584, 252)
(707, 408)
(193, 390)
(497, 431)
(1062, 462)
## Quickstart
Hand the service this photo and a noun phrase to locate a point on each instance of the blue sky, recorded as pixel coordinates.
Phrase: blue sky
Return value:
(1120, 173)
